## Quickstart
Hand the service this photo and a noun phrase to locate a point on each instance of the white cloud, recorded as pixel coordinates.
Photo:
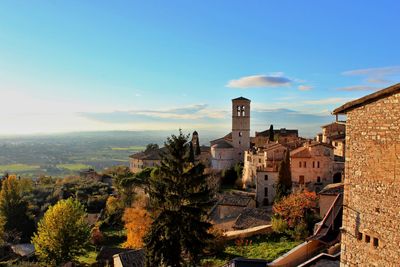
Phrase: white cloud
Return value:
(257, 81)
(305, 87)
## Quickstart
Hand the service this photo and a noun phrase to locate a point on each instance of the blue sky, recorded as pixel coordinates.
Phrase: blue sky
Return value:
(137, 65)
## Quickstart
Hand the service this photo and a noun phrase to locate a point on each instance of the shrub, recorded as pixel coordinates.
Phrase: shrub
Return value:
(279, 225)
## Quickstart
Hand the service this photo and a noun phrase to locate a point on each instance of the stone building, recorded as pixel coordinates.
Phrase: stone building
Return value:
(371, 214)
(282, 136)
(334, 134)
(261, 171)
(313, 166)
(229, 150)
(147, 159)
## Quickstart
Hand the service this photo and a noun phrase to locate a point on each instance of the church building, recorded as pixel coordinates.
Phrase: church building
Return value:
(229, 150)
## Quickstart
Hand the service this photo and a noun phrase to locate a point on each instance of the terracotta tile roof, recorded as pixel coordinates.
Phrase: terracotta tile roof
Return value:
(235, 200)
(301, 152)
(252, 217)
(367, 99)
(152, 154)
(222, 144)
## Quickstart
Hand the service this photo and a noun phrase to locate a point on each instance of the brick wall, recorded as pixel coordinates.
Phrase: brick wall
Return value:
(372, 185)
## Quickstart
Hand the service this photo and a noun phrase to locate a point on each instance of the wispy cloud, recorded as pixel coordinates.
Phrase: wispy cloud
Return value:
(374, 72)
(378, 80)
(259, 81)
(327, 101)
(357, 88)
(199, 112)
(305, 87)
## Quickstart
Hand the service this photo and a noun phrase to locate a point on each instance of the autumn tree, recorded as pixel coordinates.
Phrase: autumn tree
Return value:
(296, 214)
(14, 210)
(180, 198)
(284, 183)
(63, 233)
(137, 224)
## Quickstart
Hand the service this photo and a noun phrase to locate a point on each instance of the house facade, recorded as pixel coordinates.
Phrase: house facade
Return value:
(313, 166)
(371, 212)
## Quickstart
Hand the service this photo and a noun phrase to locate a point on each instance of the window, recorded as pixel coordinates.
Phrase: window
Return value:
(318, 164)
(359, 236)
(376, 242)
(313, 164)
(265, 202)
(266, 191)
(367, 239)
(300, 164)
(240, 133)
(305, 164)
(259, 160)
(318, 179)
(266, 177)
(239, 142)
(301, 179)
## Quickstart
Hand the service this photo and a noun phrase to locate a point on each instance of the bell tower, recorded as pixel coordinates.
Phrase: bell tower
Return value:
(240, 126)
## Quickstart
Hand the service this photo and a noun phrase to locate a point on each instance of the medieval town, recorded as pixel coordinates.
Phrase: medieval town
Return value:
(199, 133)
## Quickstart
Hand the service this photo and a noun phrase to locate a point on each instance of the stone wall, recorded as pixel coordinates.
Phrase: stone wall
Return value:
(371, 218)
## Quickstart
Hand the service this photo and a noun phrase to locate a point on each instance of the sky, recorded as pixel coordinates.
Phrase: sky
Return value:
(70, 66)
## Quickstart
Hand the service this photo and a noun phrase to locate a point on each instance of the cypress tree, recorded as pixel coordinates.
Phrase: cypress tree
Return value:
(180, 199)
(271, 133)
(284, 183)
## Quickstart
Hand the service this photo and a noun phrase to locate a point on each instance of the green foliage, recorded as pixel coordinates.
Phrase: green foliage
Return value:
(62, 233)
(180, 198)
(279, 225)
(151, 146)
(92, 194)
(14, 210)
(284, 183)
(232, 175)
(268, 247)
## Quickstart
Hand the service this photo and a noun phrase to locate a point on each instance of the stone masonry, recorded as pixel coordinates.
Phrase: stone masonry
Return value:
(371, 217)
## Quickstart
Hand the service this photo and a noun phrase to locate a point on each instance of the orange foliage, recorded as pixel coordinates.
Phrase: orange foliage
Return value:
(97, 236)
(294, 207)
(137, 223)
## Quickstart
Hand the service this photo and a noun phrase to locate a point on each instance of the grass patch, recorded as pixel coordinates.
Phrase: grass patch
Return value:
(133, 148)
(266, 247)
(73, 166)
(18, 168)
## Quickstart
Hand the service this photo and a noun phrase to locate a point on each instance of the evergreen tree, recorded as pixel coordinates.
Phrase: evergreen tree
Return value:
(180, 199)
(284, 183)
(271, 133)
(197, 148)
(62, 233)
(14, 210)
